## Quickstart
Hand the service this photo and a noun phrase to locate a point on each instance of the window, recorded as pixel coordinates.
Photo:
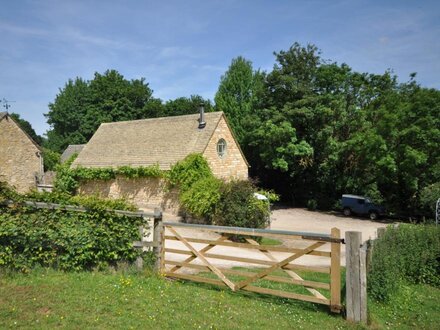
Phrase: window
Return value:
(221, 148)
(361, 201)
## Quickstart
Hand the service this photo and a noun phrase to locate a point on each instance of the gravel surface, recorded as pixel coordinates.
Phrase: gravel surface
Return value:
(291, 219)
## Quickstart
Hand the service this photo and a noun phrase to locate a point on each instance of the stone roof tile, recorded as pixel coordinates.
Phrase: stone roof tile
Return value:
(163, 141)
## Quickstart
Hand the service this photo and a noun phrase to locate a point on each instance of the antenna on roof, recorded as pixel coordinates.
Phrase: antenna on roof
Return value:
(6, 104)
(202, 122)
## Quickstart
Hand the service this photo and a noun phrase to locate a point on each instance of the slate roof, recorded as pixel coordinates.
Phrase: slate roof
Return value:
(70, 150)
(146, 142)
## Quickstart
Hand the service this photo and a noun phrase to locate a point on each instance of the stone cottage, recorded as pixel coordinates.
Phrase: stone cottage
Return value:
(21, 161)
(70, 151)
(162, 141)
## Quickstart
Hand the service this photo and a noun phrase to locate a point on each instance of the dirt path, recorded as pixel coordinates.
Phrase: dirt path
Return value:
(291, 219)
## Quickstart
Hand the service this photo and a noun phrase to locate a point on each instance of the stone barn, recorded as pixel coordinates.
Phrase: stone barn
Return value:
(162, 141)
(21, 160)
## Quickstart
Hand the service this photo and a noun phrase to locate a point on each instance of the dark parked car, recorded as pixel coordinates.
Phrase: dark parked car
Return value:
(352, 204)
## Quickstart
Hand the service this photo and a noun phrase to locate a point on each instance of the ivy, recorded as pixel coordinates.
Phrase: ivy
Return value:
(68, 179)
(65, 240)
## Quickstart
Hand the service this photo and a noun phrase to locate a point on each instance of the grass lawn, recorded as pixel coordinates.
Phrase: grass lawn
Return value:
(49, 299)
(270, 241)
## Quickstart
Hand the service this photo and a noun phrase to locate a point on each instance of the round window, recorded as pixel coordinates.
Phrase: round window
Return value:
(221, 148)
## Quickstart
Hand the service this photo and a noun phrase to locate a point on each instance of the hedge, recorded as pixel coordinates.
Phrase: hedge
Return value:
(404, 254)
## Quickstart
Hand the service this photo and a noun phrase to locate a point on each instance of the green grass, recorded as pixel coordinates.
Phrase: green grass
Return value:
(48, 299)
(412, 307)
(270, 241)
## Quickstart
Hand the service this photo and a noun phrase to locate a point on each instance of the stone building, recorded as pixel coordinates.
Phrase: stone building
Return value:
(162, 141)
(21, 161)
(70, 151)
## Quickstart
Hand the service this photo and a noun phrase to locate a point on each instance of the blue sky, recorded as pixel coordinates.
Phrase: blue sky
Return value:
(183, 47)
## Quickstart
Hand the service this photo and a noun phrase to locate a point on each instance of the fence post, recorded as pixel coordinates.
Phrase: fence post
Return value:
(139, 260)
(335, 273)
(356, 297)
(158, 236)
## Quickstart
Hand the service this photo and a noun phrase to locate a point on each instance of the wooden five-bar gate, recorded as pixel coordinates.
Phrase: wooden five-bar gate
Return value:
(273, 264)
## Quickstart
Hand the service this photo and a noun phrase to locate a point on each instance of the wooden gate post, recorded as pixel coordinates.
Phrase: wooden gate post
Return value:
(158, 240)
(356, 295)
(335, 273)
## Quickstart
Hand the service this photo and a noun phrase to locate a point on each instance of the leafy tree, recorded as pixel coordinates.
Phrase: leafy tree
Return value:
(237, 95)
(319, 130)
(50, 159)
(27, 127)
(81, 106)
(186, 106)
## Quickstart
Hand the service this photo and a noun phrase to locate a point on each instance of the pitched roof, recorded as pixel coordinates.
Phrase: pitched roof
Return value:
(70, 150)
(5, 114)
(146, 142)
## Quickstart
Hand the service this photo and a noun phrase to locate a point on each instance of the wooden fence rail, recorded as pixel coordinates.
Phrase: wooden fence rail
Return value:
(250, 279)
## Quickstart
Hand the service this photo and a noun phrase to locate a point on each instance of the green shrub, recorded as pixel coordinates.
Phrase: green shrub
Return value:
(238, 207)
(429, 197)
(312, 204)
(50, 159)
(407, 253)
(7, 193)
(188, 171)
(65, 240)
(201, 198)
(64, 181)
(67, 179)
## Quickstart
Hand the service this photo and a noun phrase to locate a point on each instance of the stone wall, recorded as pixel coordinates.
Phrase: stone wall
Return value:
(232, 164)
(20, 158)
(144, 192)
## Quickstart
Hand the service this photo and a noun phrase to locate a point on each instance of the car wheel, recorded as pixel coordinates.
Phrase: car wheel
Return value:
(374, 215)
(347, 212)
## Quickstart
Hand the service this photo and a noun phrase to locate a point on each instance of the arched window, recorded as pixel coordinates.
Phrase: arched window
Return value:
(221, 148)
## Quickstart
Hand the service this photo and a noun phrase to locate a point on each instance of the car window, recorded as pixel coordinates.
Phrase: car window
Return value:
(361, 201)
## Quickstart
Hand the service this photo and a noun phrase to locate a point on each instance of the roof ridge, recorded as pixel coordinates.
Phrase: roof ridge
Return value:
(161, 118)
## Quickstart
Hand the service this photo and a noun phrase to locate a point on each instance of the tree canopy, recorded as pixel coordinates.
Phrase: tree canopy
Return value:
(311, 129)
(319, 129)
(81, 106)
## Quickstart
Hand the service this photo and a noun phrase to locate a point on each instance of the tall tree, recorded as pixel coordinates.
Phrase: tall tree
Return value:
(81, 106)
(237, 95)
(186, 106)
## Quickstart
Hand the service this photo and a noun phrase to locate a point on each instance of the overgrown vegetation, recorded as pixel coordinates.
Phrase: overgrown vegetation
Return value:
(201, 194)
(238, 207)
(406, 254)
(222, 203)
(65, 240)
(67, 179)
(313, 129)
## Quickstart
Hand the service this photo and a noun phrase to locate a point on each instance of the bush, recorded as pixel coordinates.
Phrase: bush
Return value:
(7, 193)
(188, 171)
(408, 253)
(312, 204)
(237, 206)
(65, 240)
(429, 197)
(201, 198)
(50, 159)
(91, 202)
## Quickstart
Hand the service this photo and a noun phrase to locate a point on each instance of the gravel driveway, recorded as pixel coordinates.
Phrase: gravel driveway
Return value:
(291, 219)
